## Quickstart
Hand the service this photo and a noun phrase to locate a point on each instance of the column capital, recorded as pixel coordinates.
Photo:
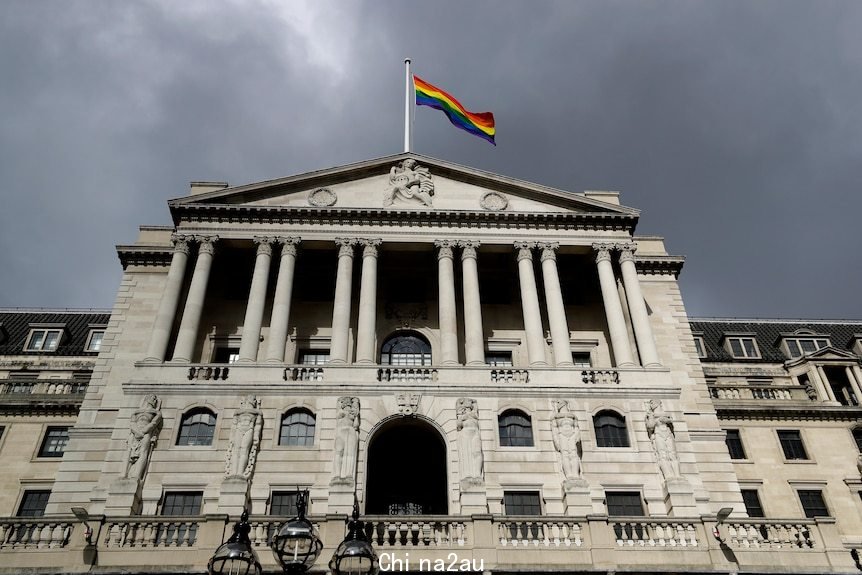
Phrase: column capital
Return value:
(288, 244)
(468, 248)
(207, 244)
(627, 251)
(603, 251)
(181, 242)
(444, 248)
(549, 250)
(345, 246)
(525, 250)
(264, 244)
(370, 246)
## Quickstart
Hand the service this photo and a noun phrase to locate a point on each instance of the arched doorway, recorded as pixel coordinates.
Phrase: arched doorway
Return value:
(406, 470)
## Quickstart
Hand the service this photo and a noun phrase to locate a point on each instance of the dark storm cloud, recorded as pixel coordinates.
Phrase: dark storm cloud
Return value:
(734, 126)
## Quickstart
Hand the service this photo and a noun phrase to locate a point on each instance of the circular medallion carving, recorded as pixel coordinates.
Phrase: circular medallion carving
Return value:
(322, 197)
(494, 201)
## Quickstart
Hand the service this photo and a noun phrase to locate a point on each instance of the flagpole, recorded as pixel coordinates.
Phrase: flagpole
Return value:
(407, 80)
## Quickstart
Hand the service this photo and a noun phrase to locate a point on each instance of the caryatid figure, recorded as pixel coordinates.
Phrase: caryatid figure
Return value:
(567, 439)
(346, 441)
(244, 438)
(471, 460)
(659, 427)
(144, 427)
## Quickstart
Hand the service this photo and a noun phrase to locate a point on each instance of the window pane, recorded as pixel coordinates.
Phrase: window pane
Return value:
(610, 430)
(51, 340)
(793, 348)
(515, 430)
(734, 444)
(807, 345)
(96, 341)
(736, 348)
(36, 339)
(813, 503)
(197, 428)
(406, 350)
(750, 350)
(499, 358)
(522, 503)
(698, 345)
(297, 429)
(182, 503)
(791, 444)
(624, 503)
(55, 442)
(752, 503)
(33, 503)
(582, 359)
(283, 503)
(313, 357)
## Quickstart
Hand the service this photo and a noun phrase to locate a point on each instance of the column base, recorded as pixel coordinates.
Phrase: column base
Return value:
(566, 364)
(627, 364)
(233, 496)
(272, 360)
(246, 360)
(539, 364)
(653, 365)
(476, 363)
(364, 362)
(180, 360)
(450, 362)
(337, 362)
(152, 360)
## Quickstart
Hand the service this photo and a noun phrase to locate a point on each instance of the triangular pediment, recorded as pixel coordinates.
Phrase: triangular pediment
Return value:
(427, 184)
(825, 354)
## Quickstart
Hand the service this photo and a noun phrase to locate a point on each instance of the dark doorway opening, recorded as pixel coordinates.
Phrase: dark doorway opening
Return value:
(406, 470)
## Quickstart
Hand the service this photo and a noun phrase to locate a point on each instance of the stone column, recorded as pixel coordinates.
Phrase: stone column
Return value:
(824, 381)
(474, 339)
(556, 309)
(188, 333)
(341, 307)
(281, 302)
(250, 342)
(637, 307)
(613, 307)
(367, 325)
(446, 302)
(814, 378)
(854, 384)
(170, 298)
(530, 304)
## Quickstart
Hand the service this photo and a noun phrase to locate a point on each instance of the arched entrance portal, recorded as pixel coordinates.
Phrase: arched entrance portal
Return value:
(406, 470)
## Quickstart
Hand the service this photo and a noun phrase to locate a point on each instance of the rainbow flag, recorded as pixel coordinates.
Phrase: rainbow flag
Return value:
(480, 124)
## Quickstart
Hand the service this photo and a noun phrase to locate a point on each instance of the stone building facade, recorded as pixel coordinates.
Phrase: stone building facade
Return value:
(498, 371)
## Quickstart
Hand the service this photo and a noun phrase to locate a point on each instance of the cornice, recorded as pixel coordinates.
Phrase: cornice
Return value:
(145, 255)
(812, 412)
(659, 265)
(41, 404)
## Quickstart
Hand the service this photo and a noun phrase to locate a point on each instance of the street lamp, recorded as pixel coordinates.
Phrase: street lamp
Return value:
(236, 556)
(296, 545)
(355, 555)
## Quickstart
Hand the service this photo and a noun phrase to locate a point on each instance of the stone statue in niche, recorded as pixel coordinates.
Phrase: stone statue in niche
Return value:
(346, 441)
(409, 182)
(144, 428)
(659, 427)
(471, 460)
(567, 439)
(244, 438)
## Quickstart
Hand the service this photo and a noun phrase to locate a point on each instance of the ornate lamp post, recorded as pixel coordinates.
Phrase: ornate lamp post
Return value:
(236, 556)
(296, 545)
(355, 555)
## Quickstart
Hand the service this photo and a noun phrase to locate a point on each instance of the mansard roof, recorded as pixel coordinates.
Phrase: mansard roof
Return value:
(769, 333)
(15, 326)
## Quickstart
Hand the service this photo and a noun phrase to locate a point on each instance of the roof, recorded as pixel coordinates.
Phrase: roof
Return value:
(15, 327)
(768, 334)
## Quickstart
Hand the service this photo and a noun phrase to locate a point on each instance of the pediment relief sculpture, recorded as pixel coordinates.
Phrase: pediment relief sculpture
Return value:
(410, 183)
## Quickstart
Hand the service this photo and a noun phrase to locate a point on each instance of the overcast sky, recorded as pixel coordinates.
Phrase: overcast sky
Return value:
(735, 126)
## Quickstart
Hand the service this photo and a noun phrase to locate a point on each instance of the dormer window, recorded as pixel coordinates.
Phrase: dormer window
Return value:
(94, 340)
(700, 346)
(43, 339)
(742, 347)
(799, 346)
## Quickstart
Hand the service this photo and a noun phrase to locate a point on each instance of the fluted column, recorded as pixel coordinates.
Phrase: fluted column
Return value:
(556, 309)
(188, 334)
(446, 299)
(250, 343)
(341, 307)
(857, 379)
(367, 325)
(613, 307)
(637, 307)
(170, 298)
(281, 302)
(474, 339)
(854, 384)
(530, 304)
(821, 374)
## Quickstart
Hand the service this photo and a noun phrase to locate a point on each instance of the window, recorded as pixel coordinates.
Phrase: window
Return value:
(582, 359)
(297, 428)
(226, 354)
(499, 358)
(742, 347)
(733, 440)
(624, 503)
(752, 503)
(610, 430)
(700, 346)
(179, 503)
(516, 430)
(197, 427)
(283, 503)
(43, 340)
(94, 341)
(857, 437)
(812, 503)
(313, 356)
(799, 346)
(406, 349)
(54, 443)
(522, 503)
(33, 503)
(791, 444)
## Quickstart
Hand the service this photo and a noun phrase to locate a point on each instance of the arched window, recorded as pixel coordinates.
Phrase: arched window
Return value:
(515, 429)
(197, 427)
(610, 429)
(406, 348)
(297, 428)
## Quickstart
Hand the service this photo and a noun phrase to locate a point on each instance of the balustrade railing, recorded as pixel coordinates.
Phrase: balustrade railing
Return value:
(509, 375)
(35, 533)
(600, 376)
(44, 387)
(756, 392)
(649, 533)
(303, 373)
(540, 532)
(769, 535)
(417, 531)
(407, 374)
(151, 532)
(208, 372)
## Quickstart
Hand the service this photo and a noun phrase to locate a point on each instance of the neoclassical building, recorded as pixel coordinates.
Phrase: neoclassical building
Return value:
(502, 374)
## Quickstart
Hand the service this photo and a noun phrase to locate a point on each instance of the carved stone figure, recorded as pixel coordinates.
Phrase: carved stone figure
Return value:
(408, 403)
(409, 182)
(471, 460)
(567, 439)
(346, 441)
(144, 429)
(659, 427)
(244, 438)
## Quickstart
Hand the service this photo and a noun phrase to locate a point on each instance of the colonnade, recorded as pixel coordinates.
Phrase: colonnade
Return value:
(366, 349)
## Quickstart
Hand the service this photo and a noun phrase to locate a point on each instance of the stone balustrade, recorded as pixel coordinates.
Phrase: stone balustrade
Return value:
(540, 532)
(600, 376)
(642, 532)
(303, 373)
(407, 374)
(40, 533)
(151, 532)
(208, 372)
(44, 387)
(510, 375)
(764, 534)
(418, 531)
(757, 392)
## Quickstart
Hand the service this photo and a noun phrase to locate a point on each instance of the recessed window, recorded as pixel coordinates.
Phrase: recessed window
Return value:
(742, 347)
(733, 440)
(624, 503)
(499, 358)
(313, 356)
(516, 429)
(582, 359)
(791, 444)
(297, 428)
(94, 340)
(799, 346)
(700, 346)
(43, 340)
(406, 349)
(610, 429)
(54, 442)
(857, 437)
(522, 503)
(182, 503)
(813, 503)
(197, 427)
(283, 503)
(752, 503)
(225, 354)
(33, 503)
